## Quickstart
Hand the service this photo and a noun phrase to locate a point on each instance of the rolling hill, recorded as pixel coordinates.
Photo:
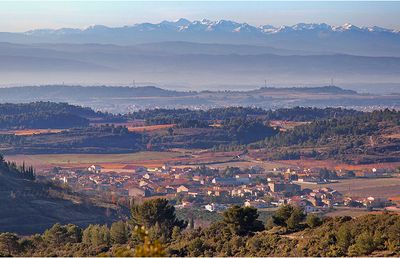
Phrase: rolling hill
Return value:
(28, 206)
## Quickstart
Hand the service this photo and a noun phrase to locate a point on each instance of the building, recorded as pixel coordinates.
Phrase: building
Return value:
(283, 187)
(139, 192)
(182, 188)
(258, 204)
(375, 202)
(94, 169)
(215, 207)
(243, 178)
(225, 181)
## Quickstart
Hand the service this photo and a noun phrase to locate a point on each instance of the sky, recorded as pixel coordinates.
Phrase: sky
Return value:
(18, 16)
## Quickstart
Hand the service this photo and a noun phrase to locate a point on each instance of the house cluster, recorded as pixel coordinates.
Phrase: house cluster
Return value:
(216, 191)
(370, 202)
(91, 180)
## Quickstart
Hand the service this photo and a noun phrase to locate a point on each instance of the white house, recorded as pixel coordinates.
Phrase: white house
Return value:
(215, 207)
(94, 169)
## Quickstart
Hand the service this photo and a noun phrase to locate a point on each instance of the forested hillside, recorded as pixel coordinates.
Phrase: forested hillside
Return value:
(40, 107)
(291, 133)
(101, 139)
(361, 138)
(176, 116)
(154, 230)
(28, 206)
(44, 115)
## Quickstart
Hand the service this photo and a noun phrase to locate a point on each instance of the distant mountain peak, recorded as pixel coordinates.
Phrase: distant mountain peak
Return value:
(314, 37)
(206, 25)
(346, 27)
(182, 22)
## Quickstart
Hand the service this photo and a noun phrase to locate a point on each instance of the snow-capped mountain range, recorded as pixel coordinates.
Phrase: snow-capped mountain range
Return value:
(309, 37)
(203, 52)
(184, 25)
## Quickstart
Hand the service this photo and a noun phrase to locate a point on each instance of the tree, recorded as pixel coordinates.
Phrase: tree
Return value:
(242, 220)
(56, 235)
(297, 216)
(156, 212)
(364, 245)
(191, 223)
(74, 233)
(147, 247)
(8, 244)
(394, 237)
(176, 233)
(87, 235)
(96, 235)
(270, 224)
(195, 247)
(282, 215)
(288, 216)
(119, 233)
(313, 221)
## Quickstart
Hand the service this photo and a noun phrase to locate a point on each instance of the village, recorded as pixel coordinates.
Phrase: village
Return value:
(214, 190)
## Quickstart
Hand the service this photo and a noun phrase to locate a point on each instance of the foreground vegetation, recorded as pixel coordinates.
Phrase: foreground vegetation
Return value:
(154, 230)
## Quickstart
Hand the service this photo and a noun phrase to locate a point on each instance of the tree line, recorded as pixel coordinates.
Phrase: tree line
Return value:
(36, 115)
(154, 230)
(178, 116)
(344, 136)
(11, 168)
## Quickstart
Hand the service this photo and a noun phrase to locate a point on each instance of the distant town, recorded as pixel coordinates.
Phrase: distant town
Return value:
(214, 190)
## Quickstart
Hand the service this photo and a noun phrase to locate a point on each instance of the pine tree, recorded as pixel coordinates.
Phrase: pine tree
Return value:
(8, 244)
(119, 233)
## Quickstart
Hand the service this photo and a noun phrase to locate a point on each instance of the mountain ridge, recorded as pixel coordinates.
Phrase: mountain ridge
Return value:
(184, 25)
(347, 39)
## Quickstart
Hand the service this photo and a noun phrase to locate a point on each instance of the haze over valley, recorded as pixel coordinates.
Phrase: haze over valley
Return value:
(215, 135)
(196, 55)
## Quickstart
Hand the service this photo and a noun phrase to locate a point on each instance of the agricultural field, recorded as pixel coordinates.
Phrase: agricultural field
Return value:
(121, 162)
(76, 160)
(349, 211)
(286, 125)
(138, 126)
(365, 187)
(336, 165)
(267, 165)
(26, 132)
(149, 128)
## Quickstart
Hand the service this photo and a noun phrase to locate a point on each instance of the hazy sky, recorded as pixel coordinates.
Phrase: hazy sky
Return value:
(26, 15)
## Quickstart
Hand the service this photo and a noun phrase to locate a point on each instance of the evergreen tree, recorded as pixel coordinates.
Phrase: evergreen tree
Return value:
(119, 233)
(364, 245)
(344, 238)
(8, 244)
(242, 220)
(297, 216)
(156, 211)
(313, 221)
